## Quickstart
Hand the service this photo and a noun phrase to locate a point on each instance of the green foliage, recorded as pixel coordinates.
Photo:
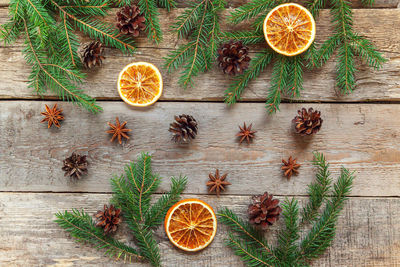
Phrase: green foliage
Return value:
(81, 226)
(51, 45)
(248, 242)
(132, 193)
(200, 25)
(287, 73)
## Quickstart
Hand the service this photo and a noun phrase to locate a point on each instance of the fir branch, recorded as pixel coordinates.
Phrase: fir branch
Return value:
(257, 65)
(318, 190)
(81, 226)
(250, 10)
(279, 83)
(315, 6)
(367, 51)
(200, 24)
(287, 248)
(150, 12)
(246, 37)
(155, 216)
(319, 57)
(168, 4)
(296, 76)
(323, 232)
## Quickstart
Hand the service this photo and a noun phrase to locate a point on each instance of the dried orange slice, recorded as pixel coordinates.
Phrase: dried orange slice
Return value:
(140, 84)
(289, 29)
(191, 224)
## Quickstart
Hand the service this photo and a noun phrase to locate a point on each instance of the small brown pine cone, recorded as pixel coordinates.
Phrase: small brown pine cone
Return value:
(130, 21)
(91, 54)
(108, 219)
(75, 166)
(233, 57)
(264, 210)
(307, 122)
(184, 128)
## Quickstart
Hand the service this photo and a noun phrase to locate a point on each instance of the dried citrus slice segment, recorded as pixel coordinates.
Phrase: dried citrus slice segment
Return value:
(289, 29)
(140, 84)
(191, 224)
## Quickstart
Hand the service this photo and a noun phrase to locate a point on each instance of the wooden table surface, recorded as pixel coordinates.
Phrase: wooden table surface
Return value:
(360, 131)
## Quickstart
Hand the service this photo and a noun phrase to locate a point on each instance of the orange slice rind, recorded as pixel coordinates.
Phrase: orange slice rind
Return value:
(140, 84)
(289, 29)
(191, 224)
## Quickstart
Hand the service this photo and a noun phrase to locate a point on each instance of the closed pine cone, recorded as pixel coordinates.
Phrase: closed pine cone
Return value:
(130, 21)
(307, 122)
(184, 128)
(233, 57)
(264, 210)
(91, 54)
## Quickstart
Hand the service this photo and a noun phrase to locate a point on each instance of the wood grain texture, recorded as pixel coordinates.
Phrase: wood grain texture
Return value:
(236, 3)
(319, 84)
(367, 234)
(363, 138)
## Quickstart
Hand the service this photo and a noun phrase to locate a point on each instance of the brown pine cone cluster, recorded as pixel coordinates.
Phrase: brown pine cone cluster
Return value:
(91, 54)
(184, 128)
(75, 166)
(108, 219)
(130, 21)
(307, 122)
(264, 210)
(233, 57)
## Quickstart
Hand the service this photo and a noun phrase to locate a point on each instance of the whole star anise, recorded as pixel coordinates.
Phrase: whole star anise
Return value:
(217, 182)
(52, 116)
(118, 130)
(290, 167)
(246, 133)
(108, 219)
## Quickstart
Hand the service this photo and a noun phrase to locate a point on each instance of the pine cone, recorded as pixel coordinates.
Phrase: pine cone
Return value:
(130, 20)
(264, 210)
(184, 128)
(307, 122)
(75, 166)
(91, 54)
(108, 219)
(233, 57)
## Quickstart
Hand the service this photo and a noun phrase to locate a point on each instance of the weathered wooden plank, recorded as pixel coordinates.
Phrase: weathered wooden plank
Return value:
(319, 85)
(237, 3)
(368, 234)
(361, 137)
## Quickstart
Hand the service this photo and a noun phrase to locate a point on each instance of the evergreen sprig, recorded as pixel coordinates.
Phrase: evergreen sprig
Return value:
(132, 194)
(249, 243)
(287, 72)
(200, 24)
(51, 45)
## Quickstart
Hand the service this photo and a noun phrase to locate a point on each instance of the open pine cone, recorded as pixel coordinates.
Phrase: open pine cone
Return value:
(75, 166)
(108, 218)
(184, 128)
(233, 57)
(130, 20)
(91, 54)
(307, 122)
(264, 210)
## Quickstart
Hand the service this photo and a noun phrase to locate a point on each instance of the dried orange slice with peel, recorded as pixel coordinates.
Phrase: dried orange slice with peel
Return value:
(140, 84)
(289, 29)
(191, 224)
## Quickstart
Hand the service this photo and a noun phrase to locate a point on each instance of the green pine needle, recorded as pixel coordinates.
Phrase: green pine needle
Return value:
(257, 65)
(280, 81)
(81, 226)
(132, 194)
(246, 37)
(249, 244)
(200, 24)
(251, 10)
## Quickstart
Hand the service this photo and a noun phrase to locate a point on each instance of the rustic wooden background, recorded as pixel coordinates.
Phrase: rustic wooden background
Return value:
(360, 131)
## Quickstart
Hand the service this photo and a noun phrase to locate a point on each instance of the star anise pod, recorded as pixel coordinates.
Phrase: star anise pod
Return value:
(52, 116)
(217, 182)
(246, 133)
(118, 130)
(108, 218)
(290, 167)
